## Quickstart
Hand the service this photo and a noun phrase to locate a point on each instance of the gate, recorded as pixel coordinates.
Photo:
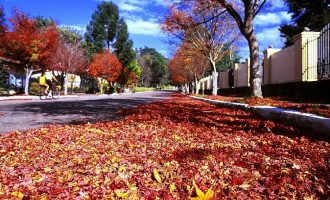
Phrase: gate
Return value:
(323, 52)
(316, 56)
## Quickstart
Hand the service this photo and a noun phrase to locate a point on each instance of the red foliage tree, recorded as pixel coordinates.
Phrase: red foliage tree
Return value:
(188, 65)
(69, 59)
(106, 66)
(30, 45)
(204, 26)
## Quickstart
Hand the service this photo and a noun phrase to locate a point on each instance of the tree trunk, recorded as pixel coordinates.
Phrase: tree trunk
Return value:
(66, 84)
(71, 87)
(101, 87)
(28, 74)
(214, 78)
(255, 68)
(186, 88)
(203, 85)
(197, 86)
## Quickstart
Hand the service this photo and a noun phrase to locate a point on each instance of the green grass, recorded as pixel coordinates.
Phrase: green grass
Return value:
(143, 89)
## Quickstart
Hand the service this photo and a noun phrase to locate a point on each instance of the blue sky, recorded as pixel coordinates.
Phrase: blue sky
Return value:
(142, 18)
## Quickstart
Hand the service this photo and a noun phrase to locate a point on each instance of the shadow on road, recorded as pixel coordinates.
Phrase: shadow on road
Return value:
(24, 116)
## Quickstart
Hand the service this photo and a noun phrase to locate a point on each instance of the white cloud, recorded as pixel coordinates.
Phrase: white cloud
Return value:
(276, 4)
(266, 37)
(163, 52)
(270, 36)
(129, 7)
(272, 18)
(137, 3)
(143, 27)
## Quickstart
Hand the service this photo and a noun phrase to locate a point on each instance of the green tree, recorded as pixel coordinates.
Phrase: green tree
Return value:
(123, 46)
(153, 66)
(70, 35)
(227, 60)
(102, 29)
(44, 22)
(135, 67)
(305, 13)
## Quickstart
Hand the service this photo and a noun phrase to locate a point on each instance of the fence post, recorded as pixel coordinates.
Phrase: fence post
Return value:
(305, 58)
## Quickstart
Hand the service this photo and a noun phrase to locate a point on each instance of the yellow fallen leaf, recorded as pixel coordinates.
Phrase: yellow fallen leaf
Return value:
(18, 194)
(47, 169)
(201, 195)
(122, 168)
(199, 192)
(43, 197)
(209, 194)
(94, 130)
(121, 194)
(244, 186)
(157, 176)
(98, 171)
(115, 159)
(172, 187)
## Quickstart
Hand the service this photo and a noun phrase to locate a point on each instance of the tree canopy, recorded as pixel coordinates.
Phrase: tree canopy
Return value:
(154, 67)
(102, 29)
(305, 13)
(123, 46)
(105, 65)
(31, 45)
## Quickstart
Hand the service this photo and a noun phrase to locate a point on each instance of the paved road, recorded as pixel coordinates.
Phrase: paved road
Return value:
(24, 115)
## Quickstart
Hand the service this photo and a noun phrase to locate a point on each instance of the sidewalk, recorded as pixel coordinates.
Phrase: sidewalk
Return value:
(317, 124)
(23, 97)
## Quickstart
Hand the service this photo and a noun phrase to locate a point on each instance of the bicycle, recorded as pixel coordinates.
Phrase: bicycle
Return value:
(53, 92)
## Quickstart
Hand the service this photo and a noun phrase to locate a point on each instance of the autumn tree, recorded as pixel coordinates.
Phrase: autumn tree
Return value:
(188, 65)
(30, 45)
(244, 13)
(130, 75)
(105, 66)
(305, 13)
(69, 58)
(206, 27)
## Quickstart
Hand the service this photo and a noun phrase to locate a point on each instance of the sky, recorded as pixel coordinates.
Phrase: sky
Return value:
(143, 18)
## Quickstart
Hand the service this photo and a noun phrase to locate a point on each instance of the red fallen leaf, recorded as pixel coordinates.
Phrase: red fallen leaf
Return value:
(57, 191)
(240, 163)
(220, 149)
(236, 181)
(117, 185)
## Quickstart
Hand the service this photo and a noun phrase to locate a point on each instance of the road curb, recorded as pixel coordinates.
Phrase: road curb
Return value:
(317, 124)
(18, 98)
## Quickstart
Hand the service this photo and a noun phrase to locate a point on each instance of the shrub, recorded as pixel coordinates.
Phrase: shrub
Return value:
(111, 90)
(34, 88)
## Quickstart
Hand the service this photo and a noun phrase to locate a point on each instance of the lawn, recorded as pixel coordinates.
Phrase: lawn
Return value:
(174, 149)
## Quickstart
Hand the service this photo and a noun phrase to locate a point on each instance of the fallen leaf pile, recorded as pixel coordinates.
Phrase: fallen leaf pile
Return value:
(174, 149)
(317, 109)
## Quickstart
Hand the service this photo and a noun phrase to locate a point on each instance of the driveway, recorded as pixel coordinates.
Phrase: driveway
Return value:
(24, 115)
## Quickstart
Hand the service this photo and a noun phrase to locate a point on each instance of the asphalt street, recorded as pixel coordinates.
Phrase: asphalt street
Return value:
(23, 115)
